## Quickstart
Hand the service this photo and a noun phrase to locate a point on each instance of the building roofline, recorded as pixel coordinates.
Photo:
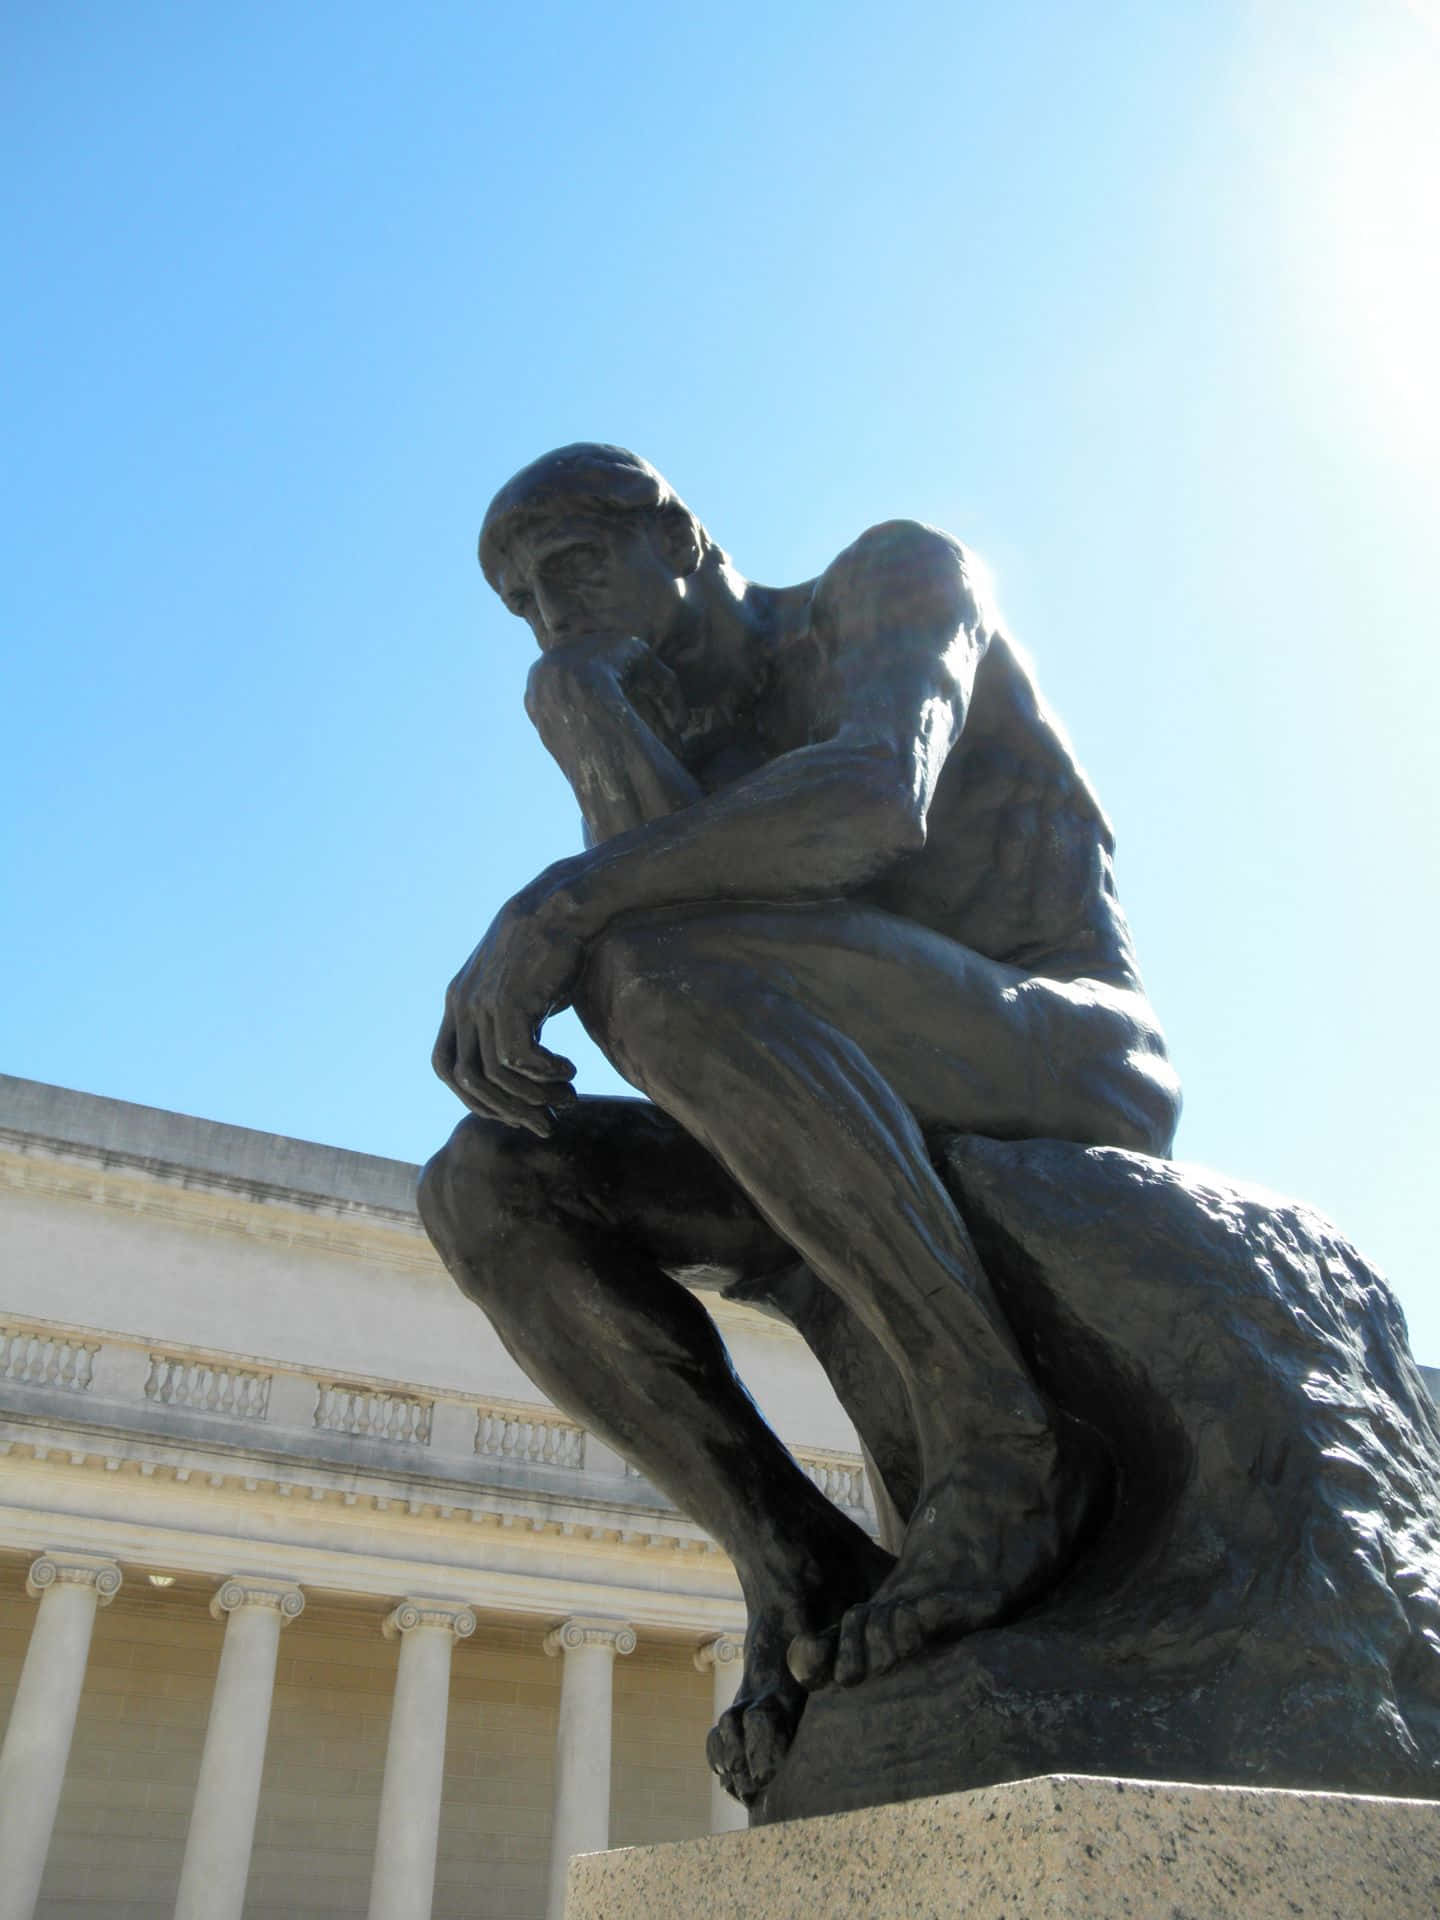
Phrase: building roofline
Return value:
(170, 1144)
(179, 1145)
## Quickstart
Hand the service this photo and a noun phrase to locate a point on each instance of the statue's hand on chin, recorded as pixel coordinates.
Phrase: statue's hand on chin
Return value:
(601, 667)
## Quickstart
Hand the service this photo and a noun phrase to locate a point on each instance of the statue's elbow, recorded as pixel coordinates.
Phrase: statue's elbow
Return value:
(902, 823)
(881, 802)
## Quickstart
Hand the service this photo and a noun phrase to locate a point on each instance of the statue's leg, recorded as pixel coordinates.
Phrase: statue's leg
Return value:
(568, 1246)
(805, 1048)
(866, 1381)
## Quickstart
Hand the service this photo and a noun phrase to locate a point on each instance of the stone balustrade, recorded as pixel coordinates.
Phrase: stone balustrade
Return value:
(840, 1477)
(34, 1358)
(506, 1434)
(207, 1398)
(374, 1414)
(210, 1388)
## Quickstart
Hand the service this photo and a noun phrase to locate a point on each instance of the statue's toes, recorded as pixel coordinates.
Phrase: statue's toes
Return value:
(911, 1629)
(852, 1654)
(872, 1638)
(725, 1747)
(937, 1613)
(769, 1728)
(894, 1633)
(749, 1741)
(811, 1658)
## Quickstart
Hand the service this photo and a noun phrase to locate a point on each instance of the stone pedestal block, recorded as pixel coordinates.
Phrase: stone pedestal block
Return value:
(1060, 1847)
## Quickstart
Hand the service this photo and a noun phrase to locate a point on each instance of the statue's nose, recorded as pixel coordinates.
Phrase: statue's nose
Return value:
(552, 609)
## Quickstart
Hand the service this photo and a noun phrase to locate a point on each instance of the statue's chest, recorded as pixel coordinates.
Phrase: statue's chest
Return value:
(775, 724)
(725, 762)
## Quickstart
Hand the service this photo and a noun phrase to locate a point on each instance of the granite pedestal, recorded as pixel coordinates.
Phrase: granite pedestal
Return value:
(1059, 1847)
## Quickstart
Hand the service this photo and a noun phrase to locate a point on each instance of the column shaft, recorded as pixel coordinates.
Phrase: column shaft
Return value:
(582, 1745)
(42, 1720)
(725, 1658)
(402, 1885)
(227, 1794)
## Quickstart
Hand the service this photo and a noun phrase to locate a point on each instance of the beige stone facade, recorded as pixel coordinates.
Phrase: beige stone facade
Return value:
(120, 1832)
(264, 1472)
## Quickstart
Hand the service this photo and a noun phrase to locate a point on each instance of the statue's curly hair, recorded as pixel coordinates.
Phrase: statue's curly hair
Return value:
(589, 476)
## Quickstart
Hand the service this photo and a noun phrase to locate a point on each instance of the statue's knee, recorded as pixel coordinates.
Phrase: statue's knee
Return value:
(477, 1183)
(1158, 1107)
(1136, 1102)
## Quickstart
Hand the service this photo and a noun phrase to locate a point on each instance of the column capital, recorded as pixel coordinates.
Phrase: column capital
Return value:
(58, 1568)
(721, 1650)
(253, 1590)
(580, 1630)
(453, 1615)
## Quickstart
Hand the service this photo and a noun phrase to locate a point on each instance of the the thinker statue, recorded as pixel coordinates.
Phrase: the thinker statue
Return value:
(845, 885)
(846, 896)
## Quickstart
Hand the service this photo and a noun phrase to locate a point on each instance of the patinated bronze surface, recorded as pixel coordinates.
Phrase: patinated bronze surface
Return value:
(846, 917)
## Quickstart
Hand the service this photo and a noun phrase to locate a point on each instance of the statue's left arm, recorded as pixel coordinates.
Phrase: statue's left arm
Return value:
(901, 633)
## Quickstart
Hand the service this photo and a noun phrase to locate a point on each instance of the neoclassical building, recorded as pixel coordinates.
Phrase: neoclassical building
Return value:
(309, 1604)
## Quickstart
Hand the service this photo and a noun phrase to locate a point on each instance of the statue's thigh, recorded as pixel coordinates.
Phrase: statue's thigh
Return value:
(627, 1169)
(965, 1041)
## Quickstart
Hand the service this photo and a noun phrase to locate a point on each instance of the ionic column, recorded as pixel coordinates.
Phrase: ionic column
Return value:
(222, 1818)
(582, 1746)
(69, 1587)
(724, 1656)
(403, 1882)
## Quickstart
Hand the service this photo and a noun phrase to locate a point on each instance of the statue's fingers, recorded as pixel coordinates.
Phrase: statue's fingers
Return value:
(493, 1051)
(538, 1063)
(480, 1098)
(483, 1096)
(518, 1052)
(664, 690)
(467, 1075)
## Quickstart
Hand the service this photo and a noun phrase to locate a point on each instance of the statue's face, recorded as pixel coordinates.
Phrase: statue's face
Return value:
(579, 574)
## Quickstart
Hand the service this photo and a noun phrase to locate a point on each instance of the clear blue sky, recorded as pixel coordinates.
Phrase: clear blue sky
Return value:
(1142, 301)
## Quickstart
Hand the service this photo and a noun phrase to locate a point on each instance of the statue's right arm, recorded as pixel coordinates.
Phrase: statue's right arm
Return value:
(604, 706)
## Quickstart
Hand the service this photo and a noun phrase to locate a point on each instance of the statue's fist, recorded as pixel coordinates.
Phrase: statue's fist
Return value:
(570, 681)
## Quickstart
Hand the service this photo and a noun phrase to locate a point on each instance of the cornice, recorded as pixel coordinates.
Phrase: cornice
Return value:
(584, 1520)
(390, 1568)
(122, 1132)
(209, 1202)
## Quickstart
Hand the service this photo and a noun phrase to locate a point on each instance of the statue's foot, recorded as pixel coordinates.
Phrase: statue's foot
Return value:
(752, 1736)
(984, 1542)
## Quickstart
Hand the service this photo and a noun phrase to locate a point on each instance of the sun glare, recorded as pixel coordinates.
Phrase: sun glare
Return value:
(1386, 236)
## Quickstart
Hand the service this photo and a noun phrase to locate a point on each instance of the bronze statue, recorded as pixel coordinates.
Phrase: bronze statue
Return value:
(846, 897)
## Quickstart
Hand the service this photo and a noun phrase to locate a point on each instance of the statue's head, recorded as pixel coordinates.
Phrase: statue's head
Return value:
(590, 538)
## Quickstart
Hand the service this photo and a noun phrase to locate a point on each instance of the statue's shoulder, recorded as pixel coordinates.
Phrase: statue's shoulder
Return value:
(899, 576)
(908, 545)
